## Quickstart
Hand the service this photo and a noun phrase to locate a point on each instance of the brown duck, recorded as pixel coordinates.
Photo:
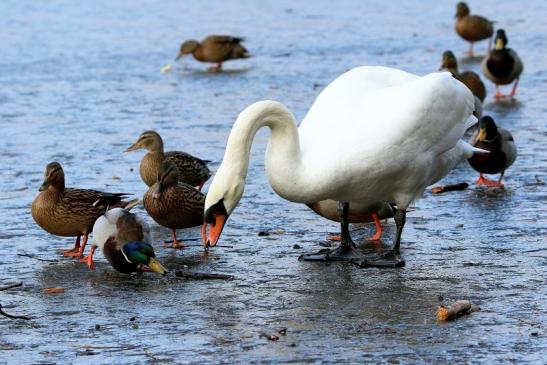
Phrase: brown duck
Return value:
(472, 28)
(70, 212)
(215, 49)
(191, 170)
(468, 78)
(502, 65)
(173, 204)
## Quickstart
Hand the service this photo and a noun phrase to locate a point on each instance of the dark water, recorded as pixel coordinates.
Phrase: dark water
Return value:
(79, 83)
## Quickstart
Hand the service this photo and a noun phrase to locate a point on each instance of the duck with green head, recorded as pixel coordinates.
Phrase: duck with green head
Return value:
(501, 145)
(125, 240)
(215, 49)
(502, 65)
(70, 212)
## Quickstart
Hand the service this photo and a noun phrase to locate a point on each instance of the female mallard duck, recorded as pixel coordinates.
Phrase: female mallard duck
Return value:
(70, 212)
(124, 238)
(174, 205)
(192, 170)
(501, 145)
(215, 48)
(472, 28)
(502, 65)
(358, 213)
(389, 133)
(469, 78)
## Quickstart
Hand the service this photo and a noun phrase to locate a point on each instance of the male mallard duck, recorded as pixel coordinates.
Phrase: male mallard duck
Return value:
(70, 212)
(502, 65)
(173, 205)
(469, 78)
(472, 28)
(358, 213)
(389, 133)
(501, 145)
(124, 238)
(192, 170)
(215, 48)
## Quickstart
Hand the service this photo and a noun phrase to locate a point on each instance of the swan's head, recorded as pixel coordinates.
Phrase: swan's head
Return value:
(223, 196)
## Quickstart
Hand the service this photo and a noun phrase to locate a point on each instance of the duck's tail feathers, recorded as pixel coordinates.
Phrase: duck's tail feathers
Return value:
(108, 199)
(130, 204)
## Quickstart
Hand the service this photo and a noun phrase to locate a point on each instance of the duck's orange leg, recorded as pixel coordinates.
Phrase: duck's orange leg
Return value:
(75, 251)
(379, 228)
(514, 88)
(498, 94)
(470, 53)
(89, 258)
(487, 182)
(200, 186)
(334, 237)
(176, 244)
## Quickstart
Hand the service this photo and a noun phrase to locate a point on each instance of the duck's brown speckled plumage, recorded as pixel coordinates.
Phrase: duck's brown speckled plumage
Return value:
(215, 48)
(66, 211)
(468, 78)
(171, 204)
(192, 170)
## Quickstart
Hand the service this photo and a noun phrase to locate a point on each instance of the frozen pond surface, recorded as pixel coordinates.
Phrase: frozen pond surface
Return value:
(79, 83)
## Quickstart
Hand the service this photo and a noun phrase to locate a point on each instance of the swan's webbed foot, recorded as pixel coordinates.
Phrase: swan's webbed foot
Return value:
(389, 259)
(341, 253)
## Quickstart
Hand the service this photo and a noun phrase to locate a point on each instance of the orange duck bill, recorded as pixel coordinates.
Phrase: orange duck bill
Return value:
(211, 236)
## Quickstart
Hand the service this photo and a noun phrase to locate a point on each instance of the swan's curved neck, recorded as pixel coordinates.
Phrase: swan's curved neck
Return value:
(283, 157)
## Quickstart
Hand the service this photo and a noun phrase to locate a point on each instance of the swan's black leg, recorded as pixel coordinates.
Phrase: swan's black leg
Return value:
(400, 220)
(346, 251)
(391, 258)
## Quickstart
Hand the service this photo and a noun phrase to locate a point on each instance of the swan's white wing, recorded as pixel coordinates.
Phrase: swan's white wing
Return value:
(399, 132)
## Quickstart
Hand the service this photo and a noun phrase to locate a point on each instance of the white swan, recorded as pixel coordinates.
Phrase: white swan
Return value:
(374, 134)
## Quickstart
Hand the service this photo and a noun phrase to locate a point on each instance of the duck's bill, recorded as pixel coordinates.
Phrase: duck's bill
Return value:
(210, 232)
(155, 266)
(133, 147)
(179, 56)
(44, 186)
(482, 134)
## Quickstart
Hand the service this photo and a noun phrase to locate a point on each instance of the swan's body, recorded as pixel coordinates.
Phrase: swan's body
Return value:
(395, 133)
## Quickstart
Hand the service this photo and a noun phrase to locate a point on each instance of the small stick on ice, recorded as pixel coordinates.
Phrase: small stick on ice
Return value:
(445, 188)
(455, 310)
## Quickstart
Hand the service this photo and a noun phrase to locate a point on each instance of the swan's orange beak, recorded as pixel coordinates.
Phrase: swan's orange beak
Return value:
(211, 238)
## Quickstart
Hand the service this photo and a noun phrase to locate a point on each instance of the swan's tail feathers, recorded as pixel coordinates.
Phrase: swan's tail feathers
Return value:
(469, 150)
(471, 121)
